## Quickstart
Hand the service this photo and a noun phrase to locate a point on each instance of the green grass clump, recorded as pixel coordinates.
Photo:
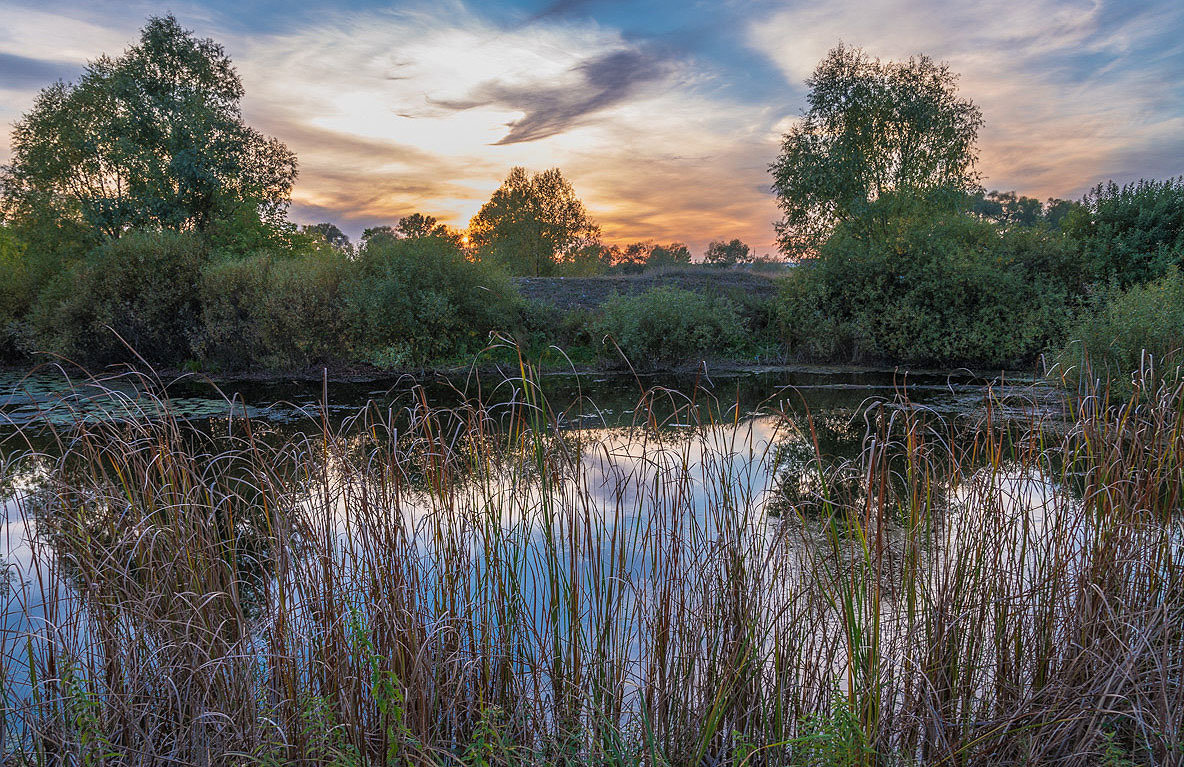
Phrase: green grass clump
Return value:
(668, 325)
(1124, 335)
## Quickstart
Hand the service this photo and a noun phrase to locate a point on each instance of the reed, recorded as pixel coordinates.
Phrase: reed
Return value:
(477, 585)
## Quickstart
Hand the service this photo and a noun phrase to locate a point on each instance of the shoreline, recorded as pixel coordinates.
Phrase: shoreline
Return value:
(339, 373)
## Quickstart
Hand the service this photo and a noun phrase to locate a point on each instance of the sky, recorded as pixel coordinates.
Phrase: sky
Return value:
(664, 115)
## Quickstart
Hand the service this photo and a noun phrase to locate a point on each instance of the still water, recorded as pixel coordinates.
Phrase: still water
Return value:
(712, 456)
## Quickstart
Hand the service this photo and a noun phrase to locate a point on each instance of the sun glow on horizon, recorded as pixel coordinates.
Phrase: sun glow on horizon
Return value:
(665, 135)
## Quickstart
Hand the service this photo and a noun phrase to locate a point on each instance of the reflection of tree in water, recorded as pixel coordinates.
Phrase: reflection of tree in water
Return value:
(207, 511)
(434, 451)
(827, 459)
(816, 467)
(7, 576)
(888, 478)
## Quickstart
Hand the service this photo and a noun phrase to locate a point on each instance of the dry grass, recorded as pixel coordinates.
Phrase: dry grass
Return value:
(476, 586)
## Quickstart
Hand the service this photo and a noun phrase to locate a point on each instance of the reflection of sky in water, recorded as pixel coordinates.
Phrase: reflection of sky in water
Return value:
(635, 513)
(34, 602)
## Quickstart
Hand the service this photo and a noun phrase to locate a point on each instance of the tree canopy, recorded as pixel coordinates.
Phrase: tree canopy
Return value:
(531, 223)
(330, 233)
(153, 139)
(1131, 233)
(728, 253)
(872, 129)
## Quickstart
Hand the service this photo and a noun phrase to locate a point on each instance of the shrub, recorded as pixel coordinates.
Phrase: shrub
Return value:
(15, 288)
(940, 288)
(669, 325)
(1132, 233)
(414, 300)
(143, 287)
(277, 310)
(813, 327)
(1121, 331)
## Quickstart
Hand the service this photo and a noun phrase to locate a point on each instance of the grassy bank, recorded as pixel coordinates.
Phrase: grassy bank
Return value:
(476, 586)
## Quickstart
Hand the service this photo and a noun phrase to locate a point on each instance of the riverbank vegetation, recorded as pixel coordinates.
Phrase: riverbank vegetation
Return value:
(126, 241)
(488, 585)
(480, 586)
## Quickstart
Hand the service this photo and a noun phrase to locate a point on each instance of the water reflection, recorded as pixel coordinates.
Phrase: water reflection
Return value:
(638, 554)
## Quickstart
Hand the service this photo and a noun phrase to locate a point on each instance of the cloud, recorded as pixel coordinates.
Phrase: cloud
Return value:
(665, 136)
(553, 106)
(393, 112)
(19, 72)
(1068, 89)
(64, 37)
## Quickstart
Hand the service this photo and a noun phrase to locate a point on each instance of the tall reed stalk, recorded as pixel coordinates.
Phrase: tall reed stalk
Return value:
(476, 585)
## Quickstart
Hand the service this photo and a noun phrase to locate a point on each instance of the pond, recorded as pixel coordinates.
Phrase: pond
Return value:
(570, 563)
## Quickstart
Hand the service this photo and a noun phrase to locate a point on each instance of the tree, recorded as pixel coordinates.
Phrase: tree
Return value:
(872, 128)
(633, 257)
(153, 139)
(331, 234)
(1133, 233)
(376, 233)
(674, 254)
(728, 253)
(531, 223)
(1056, 211)
(591, 259)
(938, 287)
(1007, 208)
(411, 227)
(419, 225)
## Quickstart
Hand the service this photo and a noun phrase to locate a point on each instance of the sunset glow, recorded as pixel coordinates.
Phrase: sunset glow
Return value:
(665, 117)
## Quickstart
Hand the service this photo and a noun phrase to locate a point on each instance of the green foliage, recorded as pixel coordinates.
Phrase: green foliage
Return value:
(667, 325)
(1132, 233)
(277, 310)
(1113, 754)
(728, 253)
(590, 260)
(674, 254)
(414, 300)
(241, 231)
(872, 128)
(143, 287)
(411, 227)
(531, 222)
(419, 225)
(153, 139)
(15, 287)
(834, 739)
(33, 252)
(1121, 331)
(1010, 209)
(325, 740)
(328, 232)
(595, 258)
(931, 287)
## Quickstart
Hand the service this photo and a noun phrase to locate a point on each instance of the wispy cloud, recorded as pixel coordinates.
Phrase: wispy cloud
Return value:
(552, 106)
(19, 72)
(665, 133)
(1071, 92)
(445, 102)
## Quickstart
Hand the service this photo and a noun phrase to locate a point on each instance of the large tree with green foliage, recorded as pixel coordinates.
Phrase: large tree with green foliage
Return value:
(531, 222)
(153, 139)
(872, 129)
